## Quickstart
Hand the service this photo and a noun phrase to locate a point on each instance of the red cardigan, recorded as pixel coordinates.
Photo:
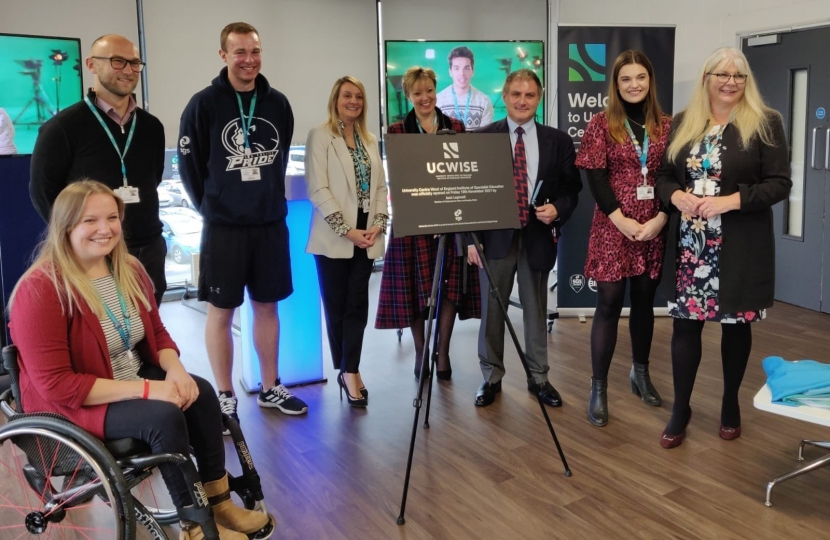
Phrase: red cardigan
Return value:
(61, 356)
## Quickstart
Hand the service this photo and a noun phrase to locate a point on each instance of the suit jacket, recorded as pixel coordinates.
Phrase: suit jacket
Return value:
(61, 356)
(329, 173)
(761, 174)
(562, 184)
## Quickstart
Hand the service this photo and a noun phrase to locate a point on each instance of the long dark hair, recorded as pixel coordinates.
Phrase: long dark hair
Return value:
(615, 111)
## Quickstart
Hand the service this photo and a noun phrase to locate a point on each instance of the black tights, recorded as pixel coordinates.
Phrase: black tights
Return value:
(735, 345)
(446, 322)
(610, 297)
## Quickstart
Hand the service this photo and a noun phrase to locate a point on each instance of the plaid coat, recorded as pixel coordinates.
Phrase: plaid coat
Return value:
(409, 262)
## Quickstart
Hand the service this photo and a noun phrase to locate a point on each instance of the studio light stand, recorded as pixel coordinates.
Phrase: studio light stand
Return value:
(32, 68)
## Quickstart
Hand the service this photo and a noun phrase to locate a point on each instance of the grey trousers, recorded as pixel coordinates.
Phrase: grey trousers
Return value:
(533, 295)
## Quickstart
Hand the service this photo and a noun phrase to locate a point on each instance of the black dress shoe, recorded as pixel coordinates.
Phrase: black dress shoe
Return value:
(486, 393)
(547, 392)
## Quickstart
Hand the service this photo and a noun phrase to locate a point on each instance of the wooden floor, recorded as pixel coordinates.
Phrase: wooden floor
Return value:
(337, 473)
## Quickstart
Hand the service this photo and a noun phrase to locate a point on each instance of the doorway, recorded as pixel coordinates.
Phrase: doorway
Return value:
(793, 75)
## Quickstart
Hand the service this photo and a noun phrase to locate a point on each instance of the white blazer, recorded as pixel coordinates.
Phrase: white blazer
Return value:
(329, 173)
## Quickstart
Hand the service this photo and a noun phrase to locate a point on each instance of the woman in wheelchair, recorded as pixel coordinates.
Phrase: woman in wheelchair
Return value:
(93, 348)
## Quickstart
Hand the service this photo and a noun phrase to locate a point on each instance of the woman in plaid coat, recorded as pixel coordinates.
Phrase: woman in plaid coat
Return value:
(409, 261)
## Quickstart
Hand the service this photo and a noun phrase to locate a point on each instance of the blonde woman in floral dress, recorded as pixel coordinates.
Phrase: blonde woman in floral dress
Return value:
(726, 165)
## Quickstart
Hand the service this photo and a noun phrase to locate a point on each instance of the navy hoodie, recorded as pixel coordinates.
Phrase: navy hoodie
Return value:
(212, 154)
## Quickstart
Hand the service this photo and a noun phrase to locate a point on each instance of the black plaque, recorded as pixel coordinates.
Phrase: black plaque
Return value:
(451, 183)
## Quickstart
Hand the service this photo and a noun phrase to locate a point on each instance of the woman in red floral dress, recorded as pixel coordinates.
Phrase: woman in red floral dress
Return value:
(622, 150)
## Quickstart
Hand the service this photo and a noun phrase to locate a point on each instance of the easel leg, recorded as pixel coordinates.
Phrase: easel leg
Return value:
(433, 300)
(494, 294)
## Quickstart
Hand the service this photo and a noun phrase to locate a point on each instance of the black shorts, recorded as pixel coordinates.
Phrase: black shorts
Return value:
(235, 257)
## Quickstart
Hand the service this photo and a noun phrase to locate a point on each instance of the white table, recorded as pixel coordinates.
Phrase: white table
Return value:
(814, 415)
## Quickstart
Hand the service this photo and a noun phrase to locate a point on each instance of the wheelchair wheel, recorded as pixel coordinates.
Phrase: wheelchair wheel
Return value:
(147, 527)
(153, 496)
(58, 481)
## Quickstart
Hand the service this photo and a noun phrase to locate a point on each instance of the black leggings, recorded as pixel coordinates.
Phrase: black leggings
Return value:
(610, 297)
(735, 346)
(168, 429)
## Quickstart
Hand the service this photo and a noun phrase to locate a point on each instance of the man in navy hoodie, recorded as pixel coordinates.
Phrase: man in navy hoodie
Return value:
(233, 151)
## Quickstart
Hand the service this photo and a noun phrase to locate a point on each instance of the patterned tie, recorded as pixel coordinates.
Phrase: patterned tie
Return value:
(520, 178)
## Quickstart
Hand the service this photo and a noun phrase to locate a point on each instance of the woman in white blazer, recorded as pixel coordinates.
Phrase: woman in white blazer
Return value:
(347, 187)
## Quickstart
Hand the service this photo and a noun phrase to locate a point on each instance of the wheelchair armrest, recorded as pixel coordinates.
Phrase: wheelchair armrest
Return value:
(150, 461)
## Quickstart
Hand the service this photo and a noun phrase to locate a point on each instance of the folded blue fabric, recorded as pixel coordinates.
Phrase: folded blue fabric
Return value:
(797, 378)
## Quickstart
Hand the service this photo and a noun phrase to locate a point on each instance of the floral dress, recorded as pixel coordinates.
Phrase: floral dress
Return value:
(699, 247)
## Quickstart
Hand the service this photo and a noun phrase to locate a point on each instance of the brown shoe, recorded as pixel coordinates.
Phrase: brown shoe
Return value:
(226, 514)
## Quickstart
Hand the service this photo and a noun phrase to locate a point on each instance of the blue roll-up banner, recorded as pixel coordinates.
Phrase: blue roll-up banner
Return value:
(585, 60)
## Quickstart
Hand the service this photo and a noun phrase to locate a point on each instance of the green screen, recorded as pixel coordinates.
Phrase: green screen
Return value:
(493, 61)
(39, 76)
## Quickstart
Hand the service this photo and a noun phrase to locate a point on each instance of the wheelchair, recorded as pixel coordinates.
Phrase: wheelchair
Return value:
(59, 481)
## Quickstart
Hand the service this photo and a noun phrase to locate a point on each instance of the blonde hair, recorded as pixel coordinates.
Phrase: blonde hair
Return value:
(57, 260)
(417, 74)
(360, 123)
(751, 116)
(615, 110)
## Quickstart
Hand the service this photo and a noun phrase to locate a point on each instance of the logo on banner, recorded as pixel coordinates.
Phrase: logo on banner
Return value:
(458, 215)
(586, 62)
(451, 150)
(577, 282)
(592, 284)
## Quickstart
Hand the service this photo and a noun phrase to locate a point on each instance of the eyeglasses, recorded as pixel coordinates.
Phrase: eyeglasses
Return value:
(120, 63)
(739, 78)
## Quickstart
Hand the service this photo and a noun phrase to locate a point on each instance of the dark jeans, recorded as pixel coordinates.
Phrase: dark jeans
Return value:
(152, 257)
(168, 429)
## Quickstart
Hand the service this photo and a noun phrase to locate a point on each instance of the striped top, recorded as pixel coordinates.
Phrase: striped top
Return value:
(123, 368)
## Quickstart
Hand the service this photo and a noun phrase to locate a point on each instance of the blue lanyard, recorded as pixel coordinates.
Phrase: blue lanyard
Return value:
(434, 121)
(642, 151)
(124, 330)
(121, 154)
(711, 142)
(466, 108)
(246, 127)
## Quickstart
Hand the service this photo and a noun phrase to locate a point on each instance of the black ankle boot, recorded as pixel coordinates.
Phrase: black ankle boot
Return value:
(598, 405)
(641, 385)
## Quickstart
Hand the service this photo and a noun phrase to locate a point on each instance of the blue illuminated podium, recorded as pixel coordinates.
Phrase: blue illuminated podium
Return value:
(301, 333)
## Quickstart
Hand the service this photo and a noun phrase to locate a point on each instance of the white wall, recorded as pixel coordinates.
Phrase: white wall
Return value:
(702, 25)
(306, 46)
(84, 19)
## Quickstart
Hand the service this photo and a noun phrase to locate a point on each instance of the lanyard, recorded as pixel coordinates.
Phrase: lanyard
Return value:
(466, 108)
(642, 151)
(121, 154)
(125, 329)
(362, 157)
(246, 127)
(711, 142)
(434, 121)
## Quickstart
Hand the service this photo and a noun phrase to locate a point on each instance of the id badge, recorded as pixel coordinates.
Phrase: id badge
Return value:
(709, 188)
(699, 187)
(128, 194)
(645, 193)
(250, 173)
(366, 206)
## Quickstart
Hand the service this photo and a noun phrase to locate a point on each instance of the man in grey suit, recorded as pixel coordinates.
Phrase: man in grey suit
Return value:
(543, 164)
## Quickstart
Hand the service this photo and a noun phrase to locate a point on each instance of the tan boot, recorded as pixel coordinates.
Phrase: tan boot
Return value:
(227, 514)
(193, 531)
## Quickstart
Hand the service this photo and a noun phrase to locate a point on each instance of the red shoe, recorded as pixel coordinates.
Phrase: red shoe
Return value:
(671, 441)
(729, 433)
